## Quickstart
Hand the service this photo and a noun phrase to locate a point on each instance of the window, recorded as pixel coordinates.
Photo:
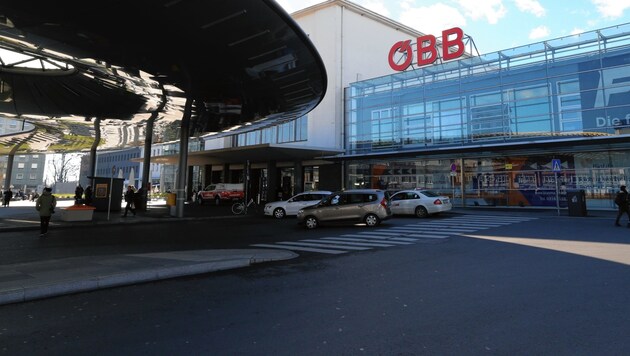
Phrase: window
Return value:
(384, 128)
(19, 176)
(569, 106)
(20, 165)
(34, 165)
(32, 176)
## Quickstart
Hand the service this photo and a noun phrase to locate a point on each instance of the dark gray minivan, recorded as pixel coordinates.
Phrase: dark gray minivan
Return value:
(370, 206)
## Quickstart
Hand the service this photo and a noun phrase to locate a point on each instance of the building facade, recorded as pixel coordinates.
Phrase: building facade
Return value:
(287, 158)
(520, 127)
(120, 164)
(27, 174)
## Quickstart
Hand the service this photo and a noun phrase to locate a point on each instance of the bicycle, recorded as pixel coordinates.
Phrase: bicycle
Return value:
(239, 208)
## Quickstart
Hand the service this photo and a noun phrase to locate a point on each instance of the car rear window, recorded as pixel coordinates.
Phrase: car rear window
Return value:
(430, 194)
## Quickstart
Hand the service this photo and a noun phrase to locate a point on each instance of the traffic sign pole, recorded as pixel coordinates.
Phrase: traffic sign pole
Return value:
(111, 184)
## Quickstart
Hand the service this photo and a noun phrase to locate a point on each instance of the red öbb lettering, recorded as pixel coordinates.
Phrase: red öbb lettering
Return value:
(427, 51)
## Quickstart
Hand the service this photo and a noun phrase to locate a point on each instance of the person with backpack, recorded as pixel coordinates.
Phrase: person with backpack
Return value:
(621, 199)
(45, 205)
(129, 195)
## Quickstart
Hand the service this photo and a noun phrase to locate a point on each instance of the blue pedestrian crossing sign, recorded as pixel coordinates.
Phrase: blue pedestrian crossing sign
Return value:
(556, 165)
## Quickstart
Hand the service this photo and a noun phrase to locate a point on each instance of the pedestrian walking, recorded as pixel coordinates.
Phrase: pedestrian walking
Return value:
(621, 199)
(8, 195)
(78, 195)
(45, 205)
(129, 195)
(88, 195)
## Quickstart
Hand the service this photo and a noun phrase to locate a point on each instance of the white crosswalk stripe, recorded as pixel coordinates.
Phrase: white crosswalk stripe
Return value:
(376, 237)
(408, 234)
(366, 242)
(297, 248)
(322, 244)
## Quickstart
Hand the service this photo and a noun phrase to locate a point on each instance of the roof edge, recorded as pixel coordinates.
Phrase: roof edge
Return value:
(361, 11)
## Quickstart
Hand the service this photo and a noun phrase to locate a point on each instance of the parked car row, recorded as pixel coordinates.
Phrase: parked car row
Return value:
(369, 206)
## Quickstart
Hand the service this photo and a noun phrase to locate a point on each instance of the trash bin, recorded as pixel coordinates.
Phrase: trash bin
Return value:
(576, 202)
(171, 199)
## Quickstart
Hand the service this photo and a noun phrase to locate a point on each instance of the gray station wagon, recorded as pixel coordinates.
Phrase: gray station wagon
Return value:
(369, 206)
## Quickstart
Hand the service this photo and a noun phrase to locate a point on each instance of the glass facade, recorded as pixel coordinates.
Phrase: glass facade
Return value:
(291, 131)
(495, 111)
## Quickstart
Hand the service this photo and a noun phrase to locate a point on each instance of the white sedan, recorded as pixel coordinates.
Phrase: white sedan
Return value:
(420, 203)
(280, 209)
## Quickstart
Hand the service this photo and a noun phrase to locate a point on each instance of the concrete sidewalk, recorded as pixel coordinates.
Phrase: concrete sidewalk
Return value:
(29, 281)
(21, 282)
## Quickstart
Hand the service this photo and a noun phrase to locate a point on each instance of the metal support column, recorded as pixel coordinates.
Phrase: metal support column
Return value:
(207, 175)
(97, 140)
(272, 181)
(226, 173)
(148, 142)
(7, 179)
(299, 177)
(180, 184)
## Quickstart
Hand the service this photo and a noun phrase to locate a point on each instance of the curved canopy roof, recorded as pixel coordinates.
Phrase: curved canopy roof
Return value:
(242, 61)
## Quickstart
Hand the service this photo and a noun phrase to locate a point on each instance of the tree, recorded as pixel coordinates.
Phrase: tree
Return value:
(62, 167)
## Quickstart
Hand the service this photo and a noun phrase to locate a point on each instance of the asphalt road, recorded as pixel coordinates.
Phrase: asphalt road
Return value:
(557, 286)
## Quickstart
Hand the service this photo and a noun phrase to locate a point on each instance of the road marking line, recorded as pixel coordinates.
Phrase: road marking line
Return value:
(361, 242)
(379, 233)
(430, 236)
(446, 226)
(324, 244)
(296, 248)
(367, 243)
(433, 231)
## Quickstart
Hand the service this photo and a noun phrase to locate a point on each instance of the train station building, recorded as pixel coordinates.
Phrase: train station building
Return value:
(517, 128)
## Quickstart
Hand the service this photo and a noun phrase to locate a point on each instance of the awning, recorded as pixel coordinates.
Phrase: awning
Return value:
(255, 153)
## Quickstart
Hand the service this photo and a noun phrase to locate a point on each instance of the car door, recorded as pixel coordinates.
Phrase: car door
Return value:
(413, 200)
(331, 209)
(296, 203)
(352, 207)
(397, 203)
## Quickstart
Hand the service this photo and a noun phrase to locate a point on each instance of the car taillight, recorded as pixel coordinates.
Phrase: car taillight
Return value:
(384, 202)
(437, 202)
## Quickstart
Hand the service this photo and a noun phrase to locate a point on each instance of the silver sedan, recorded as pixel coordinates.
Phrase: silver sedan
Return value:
(420, 203)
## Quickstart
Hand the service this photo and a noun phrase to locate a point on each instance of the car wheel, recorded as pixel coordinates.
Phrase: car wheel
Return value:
(372, 220)
(217, 200)
(421, 212)
(310, 222)
(200, 200)
(279, 213)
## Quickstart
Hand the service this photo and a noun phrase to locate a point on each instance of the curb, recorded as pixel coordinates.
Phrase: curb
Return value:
(71, 286)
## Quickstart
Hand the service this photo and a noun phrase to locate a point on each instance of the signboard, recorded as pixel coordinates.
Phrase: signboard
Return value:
(100, 191)
(556, 166)
(427, 49)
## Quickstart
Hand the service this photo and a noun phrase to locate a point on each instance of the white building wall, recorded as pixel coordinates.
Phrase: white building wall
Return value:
(354, 44)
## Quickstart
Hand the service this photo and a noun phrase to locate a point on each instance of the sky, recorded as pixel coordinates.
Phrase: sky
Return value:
(496, 25)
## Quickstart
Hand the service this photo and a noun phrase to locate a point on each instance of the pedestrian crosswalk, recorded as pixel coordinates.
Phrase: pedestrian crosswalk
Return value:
(398, 235)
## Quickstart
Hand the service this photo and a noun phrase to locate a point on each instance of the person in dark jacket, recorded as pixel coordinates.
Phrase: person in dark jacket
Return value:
(129, 195)
(88, 195)
(621, 199)
(8, 195)
(78, 195)
(45, 205)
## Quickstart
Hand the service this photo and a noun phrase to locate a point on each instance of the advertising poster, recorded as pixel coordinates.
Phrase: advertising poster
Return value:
(101, 191)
